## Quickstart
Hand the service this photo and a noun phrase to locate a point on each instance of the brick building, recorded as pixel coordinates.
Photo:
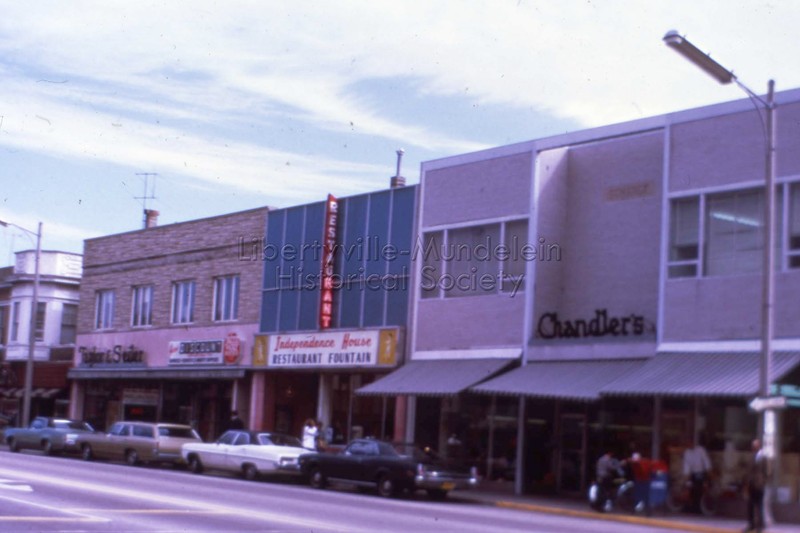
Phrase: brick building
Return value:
(166, 323)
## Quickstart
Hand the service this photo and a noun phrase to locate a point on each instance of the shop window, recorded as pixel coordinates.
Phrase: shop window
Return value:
(513, 263)
(104, 309)
(793, 250)
(142, 303)
(684, 237)
(69, 323)
(183, 302)
(226, 298)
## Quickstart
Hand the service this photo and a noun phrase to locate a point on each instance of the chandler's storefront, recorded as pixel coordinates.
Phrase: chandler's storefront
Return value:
(313, 375)
(184, 376)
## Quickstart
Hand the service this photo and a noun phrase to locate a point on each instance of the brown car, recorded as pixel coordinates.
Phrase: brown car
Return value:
(138, 442)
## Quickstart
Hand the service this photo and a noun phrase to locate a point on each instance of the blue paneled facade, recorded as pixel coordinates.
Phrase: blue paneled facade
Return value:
(372, 263)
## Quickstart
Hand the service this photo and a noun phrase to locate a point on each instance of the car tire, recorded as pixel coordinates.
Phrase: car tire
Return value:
(437, 494)
(386, 486)
(13, 446)
(317, 479)
(195, 464)
(47, 447)
(249, 472)
(131, 458)
(86, 453)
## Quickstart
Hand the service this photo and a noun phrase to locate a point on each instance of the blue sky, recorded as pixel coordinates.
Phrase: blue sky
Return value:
(239, 104)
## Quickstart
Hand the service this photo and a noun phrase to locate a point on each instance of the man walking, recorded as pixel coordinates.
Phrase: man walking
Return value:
(757, 476)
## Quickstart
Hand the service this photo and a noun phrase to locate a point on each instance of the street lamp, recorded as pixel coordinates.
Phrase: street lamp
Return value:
(723, 75)
(26, 402)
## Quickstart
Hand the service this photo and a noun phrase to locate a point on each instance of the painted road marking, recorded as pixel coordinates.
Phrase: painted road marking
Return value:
(77, 516)
(162, 499)
(13, 484)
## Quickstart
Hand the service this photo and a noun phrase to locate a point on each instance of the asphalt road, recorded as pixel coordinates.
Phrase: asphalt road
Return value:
(39, 493)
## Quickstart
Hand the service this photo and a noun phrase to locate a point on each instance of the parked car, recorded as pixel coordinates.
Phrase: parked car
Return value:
(388, 467)
(138, 442)
(250, 453)
(49, 434)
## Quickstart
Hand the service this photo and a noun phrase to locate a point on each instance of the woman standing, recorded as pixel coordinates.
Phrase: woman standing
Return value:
(310, 433)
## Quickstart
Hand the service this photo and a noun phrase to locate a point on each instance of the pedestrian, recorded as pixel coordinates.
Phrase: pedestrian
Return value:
(607, 470)
(757, 476)
(696, 468)
(236, 422)
(310, 432)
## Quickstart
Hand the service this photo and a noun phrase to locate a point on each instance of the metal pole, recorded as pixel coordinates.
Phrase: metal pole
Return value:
(768, 287)
(26, 403)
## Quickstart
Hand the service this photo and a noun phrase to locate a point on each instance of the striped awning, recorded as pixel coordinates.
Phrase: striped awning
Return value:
(701, 374)
(436, 377)
(564, 380)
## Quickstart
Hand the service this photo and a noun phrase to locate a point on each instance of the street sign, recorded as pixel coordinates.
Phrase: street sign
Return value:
(763, 403)
(784, 389)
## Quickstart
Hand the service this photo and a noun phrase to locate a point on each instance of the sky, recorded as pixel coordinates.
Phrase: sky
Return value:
(226, 106)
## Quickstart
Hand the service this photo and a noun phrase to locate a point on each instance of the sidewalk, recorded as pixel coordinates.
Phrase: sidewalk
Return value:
(502, 495)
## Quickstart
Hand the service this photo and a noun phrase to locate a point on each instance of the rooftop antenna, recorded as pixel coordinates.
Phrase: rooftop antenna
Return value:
(152, 196)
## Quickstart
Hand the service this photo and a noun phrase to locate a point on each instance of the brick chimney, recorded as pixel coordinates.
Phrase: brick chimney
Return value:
(150, 218)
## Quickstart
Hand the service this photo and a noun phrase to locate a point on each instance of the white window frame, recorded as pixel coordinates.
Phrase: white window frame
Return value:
(141, 306)
(226, 298)
(104, 309)
(183, 294)
(448, 247)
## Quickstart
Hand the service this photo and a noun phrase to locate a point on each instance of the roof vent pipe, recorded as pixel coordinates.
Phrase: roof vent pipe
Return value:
(397, 180)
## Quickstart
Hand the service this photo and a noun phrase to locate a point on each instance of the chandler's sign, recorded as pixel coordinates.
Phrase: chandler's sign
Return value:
(601, 325)
(340, 349)
(328, 246)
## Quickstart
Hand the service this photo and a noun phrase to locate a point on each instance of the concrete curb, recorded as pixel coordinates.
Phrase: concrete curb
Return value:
(630, 519)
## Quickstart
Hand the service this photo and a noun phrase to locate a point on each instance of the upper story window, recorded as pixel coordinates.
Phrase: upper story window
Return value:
(15, 323)
(684, 237)
(41, 315)
(142, 306)
(104, 309)
(793, 237)
(183, 302)
(721, 234)
(475, 260)
(3, 324)
(226, 298)
(69, 323)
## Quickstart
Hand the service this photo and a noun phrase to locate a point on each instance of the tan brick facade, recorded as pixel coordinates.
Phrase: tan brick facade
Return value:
(199, 250)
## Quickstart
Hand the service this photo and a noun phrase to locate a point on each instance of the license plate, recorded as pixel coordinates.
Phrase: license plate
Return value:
(448, 486)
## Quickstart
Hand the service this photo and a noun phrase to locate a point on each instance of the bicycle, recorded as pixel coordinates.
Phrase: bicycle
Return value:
(679, 498)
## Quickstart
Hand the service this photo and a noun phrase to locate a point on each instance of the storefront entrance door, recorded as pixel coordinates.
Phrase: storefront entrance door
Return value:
(572, 453)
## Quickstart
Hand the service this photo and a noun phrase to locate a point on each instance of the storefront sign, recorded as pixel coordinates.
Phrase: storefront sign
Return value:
(328, 247)
(118, 355)
(140, 396)
(601, 325)
(341, 349)
(205, 352)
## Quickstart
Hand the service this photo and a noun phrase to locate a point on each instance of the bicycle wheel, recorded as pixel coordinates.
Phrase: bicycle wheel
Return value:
(708, 504)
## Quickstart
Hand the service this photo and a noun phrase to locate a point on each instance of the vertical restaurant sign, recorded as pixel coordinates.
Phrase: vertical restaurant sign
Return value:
(328, 247)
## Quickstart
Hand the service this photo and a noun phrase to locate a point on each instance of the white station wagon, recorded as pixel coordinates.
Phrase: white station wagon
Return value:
(250, 453)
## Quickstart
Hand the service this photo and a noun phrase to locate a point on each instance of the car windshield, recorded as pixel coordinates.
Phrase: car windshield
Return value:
(72, 424)
(414, 452)
(267, 439)
(177, 432)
